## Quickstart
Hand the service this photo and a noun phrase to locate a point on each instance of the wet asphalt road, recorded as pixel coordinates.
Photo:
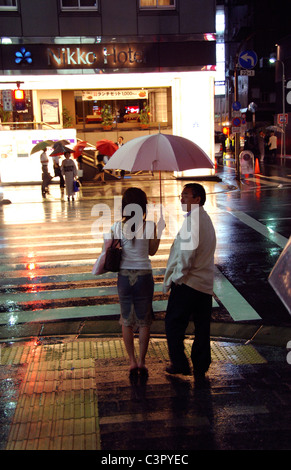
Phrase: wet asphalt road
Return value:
(48, 248)
(47, 293)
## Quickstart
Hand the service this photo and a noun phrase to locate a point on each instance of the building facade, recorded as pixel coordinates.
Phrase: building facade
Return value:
(135, 57)
(259, 30)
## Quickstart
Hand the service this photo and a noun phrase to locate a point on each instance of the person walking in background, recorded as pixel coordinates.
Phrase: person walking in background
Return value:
(69, 171)
(120, 144)
(57, 170)
(120, 141)
(189, 276)
(100, 168)
(135, 279)
(46, 176)
(261, 145)
(273, 146)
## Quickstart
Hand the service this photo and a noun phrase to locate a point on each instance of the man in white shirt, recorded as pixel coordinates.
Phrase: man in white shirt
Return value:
(46, 176)
(273, 146)
(190, 275)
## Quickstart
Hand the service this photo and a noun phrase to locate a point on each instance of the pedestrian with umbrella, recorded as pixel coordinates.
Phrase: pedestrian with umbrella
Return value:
(46, 176)
(106, 148)
(69, 171)
(78, 155)
(58, 171)
(135, 280)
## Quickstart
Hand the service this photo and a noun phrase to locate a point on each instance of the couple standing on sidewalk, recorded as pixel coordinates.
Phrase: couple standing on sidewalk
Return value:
(189, 277)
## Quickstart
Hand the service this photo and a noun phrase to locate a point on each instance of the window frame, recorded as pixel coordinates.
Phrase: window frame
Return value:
(9, 7)
(79, 8)
(158, 7)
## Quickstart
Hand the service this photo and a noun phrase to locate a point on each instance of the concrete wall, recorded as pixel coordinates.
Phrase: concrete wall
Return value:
(43, 18)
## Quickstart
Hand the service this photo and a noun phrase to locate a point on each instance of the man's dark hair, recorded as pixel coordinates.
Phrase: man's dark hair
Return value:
(197, 190)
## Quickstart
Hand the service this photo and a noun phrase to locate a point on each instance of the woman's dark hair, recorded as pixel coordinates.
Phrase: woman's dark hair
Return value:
(134, 196)
(197, 191)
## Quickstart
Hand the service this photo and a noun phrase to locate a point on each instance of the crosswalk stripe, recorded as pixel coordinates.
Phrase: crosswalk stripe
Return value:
(52, 252)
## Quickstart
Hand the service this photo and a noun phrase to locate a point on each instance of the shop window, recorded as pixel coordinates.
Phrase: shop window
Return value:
(79, 4)
(159, 4)
(8, 5)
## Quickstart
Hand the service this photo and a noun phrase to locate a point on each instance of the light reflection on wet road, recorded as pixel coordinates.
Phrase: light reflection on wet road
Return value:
(50, 243)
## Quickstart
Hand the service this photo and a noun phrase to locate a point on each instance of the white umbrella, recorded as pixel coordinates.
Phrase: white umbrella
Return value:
(159, 152)
(275, 128)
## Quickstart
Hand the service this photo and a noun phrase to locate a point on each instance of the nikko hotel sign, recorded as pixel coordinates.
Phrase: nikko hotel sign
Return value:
(96, 57)
(108, 57)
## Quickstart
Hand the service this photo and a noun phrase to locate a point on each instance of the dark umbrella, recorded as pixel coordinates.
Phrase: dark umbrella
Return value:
(61, 142)
(60, 150)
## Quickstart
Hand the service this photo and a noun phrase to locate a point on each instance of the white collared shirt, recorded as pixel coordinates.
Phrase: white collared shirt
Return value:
(192, 262)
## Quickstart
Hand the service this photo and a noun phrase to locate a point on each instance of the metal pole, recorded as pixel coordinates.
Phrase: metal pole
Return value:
(236, 135)
(283, 105)
(283, 101)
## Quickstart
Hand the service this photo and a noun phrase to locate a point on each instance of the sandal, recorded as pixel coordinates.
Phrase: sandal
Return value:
(133, 372)
(143, 372)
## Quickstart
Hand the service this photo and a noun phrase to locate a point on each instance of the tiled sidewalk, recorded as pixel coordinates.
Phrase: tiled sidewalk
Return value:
(58, 390)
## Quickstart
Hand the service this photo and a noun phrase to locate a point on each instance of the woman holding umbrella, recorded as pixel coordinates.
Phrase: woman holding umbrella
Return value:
(135, 280)
(69, 171)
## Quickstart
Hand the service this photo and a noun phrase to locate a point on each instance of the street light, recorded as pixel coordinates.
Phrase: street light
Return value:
(273, 60)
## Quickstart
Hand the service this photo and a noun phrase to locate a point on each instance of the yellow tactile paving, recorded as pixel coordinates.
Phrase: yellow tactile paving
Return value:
(57, 407)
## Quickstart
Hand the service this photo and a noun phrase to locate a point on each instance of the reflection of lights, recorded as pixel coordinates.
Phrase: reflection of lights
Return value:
(12, 320)
(33, 288)
(30, 266)
(270, 229)
(209, 37)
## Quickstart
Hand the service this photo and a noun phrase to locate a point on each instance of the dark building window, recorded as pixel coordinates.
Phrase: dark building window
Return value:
(8, 4)
(157, 4)
(79, 4)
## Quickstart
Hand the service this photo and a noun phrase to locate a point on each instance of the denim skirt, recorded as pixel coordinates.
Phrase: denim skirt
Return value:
(135, 291)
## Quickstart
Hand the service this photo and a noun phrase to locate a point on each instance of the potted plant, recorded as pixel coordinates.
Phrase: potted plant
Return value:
(5, 116)
(67, 118)
(144, 117)
(107, 117)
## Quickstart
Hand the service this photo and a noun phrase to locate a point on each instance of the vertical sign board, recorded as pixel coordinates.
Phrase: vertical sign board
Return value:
(7, 100)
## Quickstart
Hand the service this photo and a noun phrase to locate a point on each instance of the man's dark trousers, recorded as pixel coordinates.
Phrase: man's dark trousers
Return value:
(185, 304)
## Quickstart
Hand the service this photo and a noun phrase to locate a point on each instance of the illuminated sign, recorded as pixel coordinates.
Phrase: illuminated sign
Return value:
(23, 56)
(97, 57)
(185, 55)
(114, 95)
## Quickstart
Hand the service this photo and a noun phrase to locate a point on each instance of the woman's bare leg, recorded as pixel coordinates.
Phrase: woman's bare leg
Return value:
(127, 333)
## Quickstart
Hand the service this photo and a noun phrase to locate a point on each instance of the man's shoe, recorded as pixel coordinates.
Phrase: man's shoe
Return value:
(178, 370)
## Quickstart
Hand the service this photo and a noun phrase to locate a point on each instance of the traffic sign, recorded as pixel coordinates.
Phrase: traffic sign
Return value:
(248, 59)
(248, 73)
(282, 118)
(236, 105)
(236, 122)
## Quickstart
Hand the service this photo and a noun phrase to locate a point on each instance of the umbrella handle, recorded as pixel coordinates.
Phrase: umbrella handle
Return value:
(160, 193)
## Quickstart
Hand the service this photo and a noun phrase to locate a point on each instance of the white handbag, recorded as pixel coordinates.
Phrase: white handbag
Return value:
(98, 267)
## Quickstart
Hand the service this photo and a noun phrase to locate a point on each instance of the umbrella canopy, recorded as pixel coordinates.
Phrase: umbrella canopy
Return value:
(61, 142)
(274, 128)
(41, 146)
(60, 150)
(159, 152)
(106, 147)
(79, 147)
